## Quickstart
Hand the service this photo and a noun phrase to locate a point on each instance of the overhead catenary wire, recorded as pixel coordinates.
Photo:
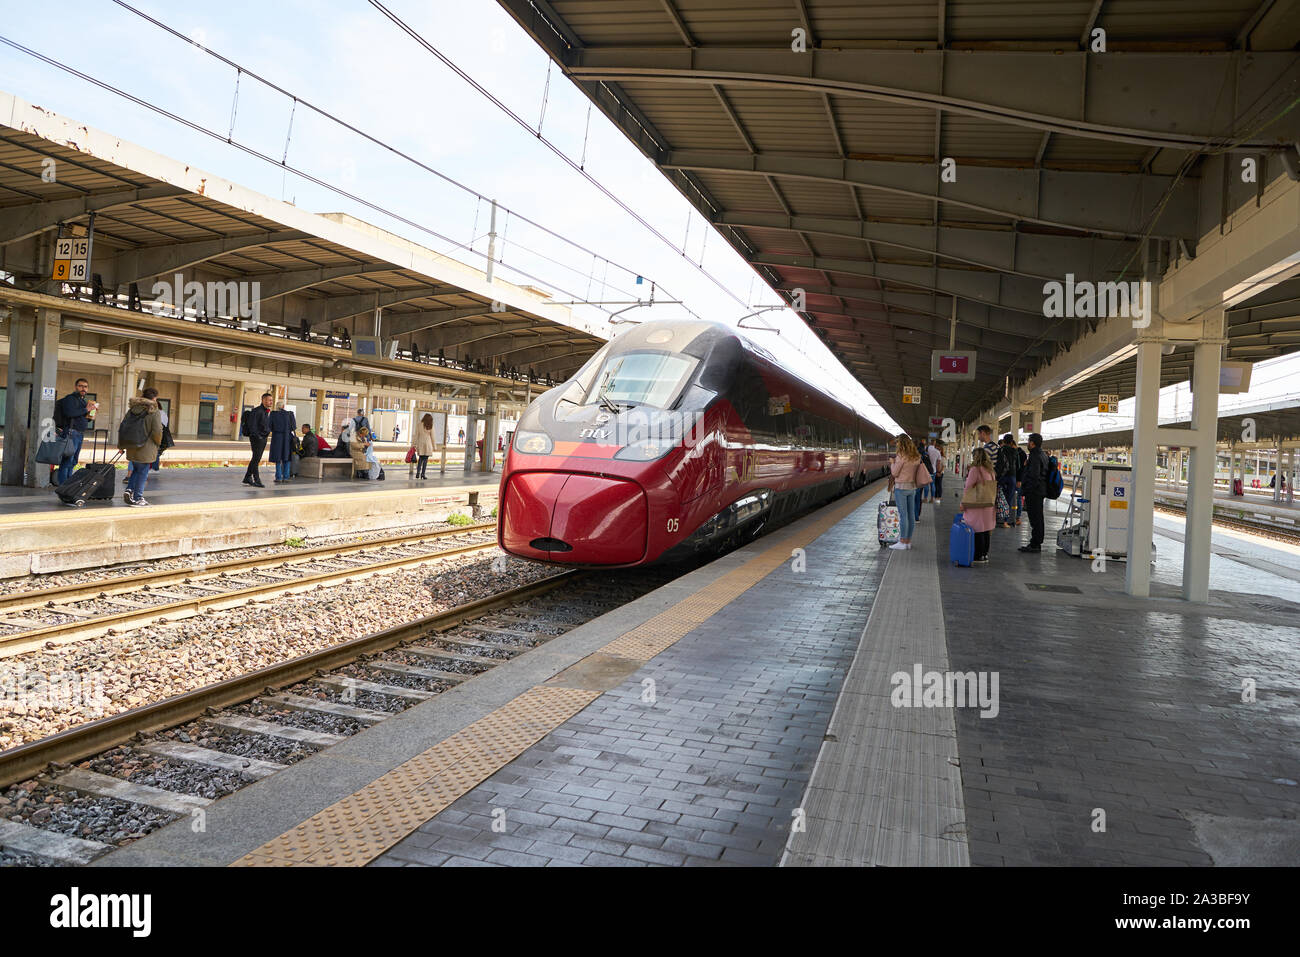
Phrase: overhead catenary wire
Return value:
(608, 193)
(215, 134)
(352, 128)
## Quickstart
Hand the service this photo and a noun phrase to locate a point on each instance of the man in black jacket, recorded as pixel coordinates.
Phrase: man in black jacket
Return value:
(70, 419)
(257, 426)
(1033, 489)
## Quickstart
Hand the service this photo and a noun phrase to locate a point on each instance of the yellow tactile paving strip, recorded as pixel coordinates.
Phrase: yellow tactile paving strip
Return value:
(358, 828)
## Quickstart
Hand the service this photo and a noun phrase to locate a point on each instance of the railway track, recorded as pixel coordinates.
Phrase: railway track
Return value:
(224, 736)
(65, 613)
(1263, 529)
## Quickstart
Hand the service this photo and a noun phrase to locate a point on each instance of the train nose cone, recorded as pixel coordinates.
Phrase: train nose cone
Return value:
(601, 520)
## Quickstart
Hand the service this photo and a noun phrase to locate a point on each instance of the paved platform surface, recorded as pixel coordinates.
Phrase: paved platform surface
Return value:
(741, 699)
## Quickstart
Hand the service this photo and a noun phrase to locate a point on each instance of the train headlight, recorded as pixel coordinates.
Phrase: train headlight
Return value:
(533, 443)
(643, 451)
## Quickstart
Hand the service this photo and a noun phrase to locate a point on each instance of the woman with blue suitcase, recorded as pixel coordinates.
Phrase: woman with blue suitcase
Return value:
(977, 502)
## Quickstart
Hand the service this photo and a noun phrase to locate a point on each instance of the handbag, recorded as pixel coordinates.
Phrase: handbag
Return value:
(922, 483)
(55, 450)
(982, 494)
(410, 455)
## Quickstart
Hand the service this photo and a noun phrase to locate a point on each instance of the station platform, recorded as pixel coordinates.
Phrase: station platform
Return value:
(751, 713)
(203, 510)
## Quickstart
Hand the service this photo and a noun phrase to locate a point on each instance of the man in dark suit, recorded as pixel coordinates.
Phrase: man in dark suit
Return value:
(1033, 489)
(257, 426)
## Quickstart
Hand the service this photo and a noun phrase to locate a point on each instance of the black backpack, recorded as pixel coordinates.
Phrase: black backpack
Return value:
(133, 433)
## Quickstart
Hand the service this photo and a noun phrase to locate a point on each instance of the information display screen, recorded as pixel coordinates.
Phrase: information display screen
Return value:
(952, 364)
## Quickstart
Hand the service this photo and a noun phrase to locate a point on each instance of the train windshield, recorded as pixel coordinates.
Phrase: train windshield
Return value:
(640, 378)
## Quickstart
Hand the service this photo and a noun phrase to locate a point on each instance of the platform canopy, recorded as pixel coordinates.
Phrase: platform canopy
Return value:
(884, 165)
(317, 275)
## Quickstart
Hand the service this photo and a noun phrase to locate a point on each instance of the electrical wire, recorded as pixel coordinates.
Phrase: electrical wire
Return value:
(376, 141)
(215, 134)
(577, 168)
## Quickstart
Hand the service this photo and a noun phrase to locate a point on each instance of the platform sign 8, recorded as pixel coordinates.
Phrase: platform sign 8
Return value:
(71, 259)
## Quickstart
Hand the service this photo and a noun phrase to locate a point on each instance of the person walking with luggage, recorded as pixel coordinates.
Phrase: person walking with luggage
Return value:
(908, 475)
(283, 425)
(424, 445)
(1033, 488)
(257, 427)
(71, 415)
(981, 487)
(140, 435)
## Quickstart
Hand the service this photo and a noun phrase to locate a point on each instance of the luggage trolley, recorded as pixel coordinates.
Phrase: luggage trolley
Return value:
(1073, 532)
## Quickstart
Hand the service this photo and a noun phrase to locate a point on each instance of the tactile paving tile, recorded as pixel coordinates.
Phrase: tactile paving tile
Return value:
(353, 831)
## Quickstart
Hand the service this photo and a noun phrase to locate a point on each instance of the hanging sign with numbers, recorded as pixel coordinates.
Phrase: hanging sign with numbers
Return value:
(1108, 404)
(72, 257)
(911, 395)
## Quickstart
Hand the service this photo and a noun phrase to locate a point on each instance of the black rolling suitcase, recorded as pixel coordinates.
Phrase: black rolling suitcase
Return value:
(94, 482)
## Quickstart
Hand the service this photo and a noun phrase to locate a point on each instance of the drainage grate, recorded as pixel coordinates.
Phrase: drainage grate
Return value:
(1065, 589)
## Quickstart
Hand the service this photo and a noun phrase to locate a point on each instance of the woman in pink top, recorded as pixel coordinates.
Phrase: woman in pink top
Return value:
(908, 475)
(981, 520)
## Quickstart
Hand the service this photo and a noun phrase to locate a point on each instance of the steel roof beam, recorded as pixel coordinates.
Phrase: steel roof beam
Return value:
(972, 314)
(277, 284)
(1006, 343)
(31, 219)
(136, 265)
(1031, 255)
(322, 311)
(1072, 92)
(482, 331)
(1117, 204)
(992, 289)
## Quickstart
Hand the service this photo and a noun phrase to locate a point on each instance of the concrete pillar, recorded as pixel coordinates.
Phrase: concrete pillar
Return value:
(1275, 469)
(238, 408)
(18, 394)
(45, 370)
(1290, 476)
(1137, 572)
(1200, 485)
(472, 405)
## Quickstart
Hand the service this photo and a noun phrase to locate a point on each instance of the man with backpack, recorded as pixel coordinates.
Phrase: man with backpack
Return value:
(140, 435)
(71, 415)
(1034, 488)
(256, 425)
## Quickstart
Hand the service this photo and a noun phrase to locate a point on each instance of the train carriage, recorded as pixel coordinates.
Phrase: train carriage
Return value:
(677, 437)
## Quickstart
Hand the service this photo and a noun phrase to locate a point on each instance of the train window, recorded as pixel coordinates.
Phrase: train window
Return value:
(642, 378)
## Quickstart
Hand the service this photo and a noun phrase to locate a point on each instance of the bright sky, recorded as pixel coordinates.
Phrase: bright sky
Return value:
(348, 59)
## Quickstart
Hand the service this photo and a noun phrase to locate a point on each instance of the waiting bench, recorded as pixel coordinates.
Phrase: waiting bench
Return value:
(315, 467)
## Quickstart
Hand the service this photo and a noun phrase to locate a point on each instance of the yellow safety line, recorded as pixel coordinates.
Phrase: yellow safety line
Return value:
(356, 829)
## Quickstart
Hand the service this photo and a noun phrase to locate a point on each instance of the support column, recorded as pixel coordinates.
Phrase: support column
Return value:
(44, 394)
(1275, 470)
(18, 394)
(1290, 476)
(1200, 477)
(238, 408)
(472, 405)
(490, 431)
(1137, 572)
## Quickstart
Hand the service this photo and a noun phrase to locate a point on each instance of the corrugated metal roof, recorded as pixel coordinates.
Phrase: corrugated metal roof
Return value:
(1047, 149)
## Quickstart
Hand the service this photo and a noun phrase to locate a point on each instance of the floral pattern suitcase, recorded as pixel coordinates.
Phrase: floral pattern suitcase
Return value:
(887, 523)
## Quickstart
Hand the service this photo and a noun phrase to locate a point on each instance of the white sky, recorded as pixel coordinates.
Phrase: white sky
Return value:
(348, 59)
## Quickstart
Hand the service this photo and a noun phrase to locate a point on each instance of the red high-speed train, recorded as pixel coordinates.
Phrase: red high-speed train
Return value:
(676, 437)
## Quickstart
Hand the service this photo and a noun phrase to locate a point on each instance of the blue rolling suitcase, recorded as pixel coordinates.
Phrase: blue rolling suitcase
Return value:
(961, 542)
